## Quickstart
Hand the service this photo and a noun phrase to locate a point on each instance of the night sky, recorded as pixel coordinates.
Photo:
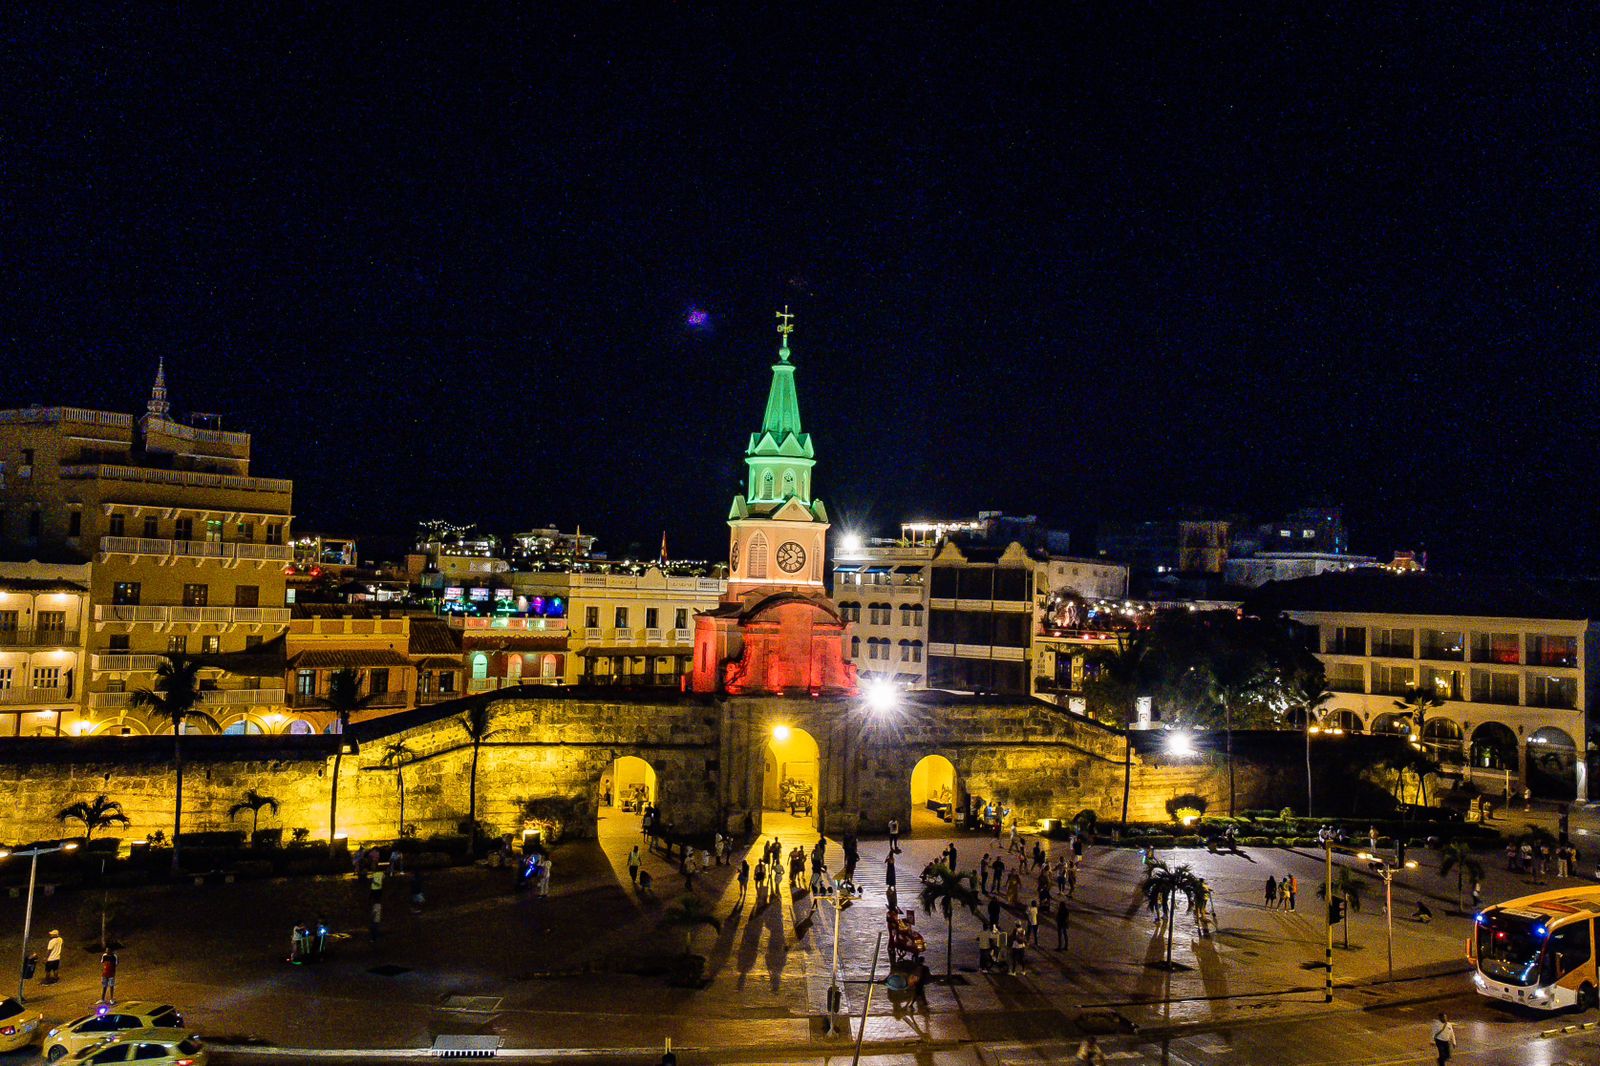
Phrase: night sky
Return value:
(1102, 262)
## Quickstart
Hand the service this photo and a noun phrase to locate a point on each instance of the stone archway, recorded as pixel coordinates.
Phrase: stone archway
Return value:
(934, 795)
(626, 787)
(791, 781)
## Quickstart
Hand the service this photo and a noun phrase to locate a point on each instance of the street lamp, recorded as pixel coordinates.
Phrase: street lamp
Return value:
(27, 914)
(881, 696)
(1386, 870)
(838, 898)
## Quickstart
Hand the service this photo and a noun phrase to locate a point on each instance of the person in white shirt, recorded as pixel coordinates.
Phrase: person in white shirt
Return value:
(52, 957)
(1444, 1037)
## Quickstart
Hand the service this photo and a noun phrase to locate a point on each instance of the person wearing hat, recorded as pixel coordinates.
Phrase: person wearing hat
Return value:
(52, 957)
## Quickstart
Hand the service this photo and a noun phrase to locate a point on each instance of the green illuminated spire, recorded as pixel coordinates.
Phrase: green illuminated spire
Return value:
(780, 456)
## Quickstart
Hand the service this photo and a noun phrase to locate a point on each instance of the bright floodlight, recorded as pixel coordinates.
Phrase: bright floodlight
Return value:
(780, 733)
(71, 845)
(850, 543)
(881, 696)
(1180, 743)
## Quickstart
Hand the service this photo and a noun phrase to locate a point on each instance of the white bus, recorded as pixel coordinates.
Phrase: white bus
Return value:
(1538, 951)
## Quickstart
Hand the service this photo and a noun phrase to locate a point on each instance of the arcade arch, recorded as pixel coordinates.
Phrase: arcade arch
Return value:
(1494, 747)
(1441, 738)
(933, 795)
(1553, 764)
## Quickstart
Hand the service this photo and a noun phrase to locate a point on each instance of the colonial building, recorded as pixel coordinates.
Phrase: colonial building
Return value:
(43, 614)
(618, 628)
(882, 591)
(775, 631)
(1512, 661)
(188, 549)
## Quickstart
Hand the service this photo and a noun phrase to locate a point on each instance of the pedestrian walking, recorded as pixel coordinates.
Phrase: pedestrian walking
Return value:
(52, 957)
(416, 892)
(983, 873)
(1444, 1038)
(1063, 921)
(544, 877)
(985, 948)
(1072, 878)
(1001, 954)
(951, 853)
(108, 976)
(1477, 896)
(749, 829)
(375, 885)
(894, 836)
(744, 879)
(999, 873)
(691, 866)
(1019, 943)
(375, 919)
(1033, 922)
(1527, 799)
(634, 862)
(994, 911)
(1089, 1051)
(1014, 889)
(1272, 890)
(1294, 889)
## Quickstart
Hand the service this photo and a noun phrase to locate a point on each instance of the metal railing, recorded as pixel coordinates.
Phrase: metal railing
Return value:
(126, 612)
(197, 549)
(238, 697)
(116, 662)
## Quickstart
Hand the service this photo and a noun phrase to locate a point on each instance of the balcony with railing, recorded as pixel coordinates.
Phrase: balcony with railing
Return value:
(178, 614)
(241, 697)
(123, 662)
(477, 624)
(11, 697)
(491, 684)
(185, 478)
(224, 551)
(38, 638)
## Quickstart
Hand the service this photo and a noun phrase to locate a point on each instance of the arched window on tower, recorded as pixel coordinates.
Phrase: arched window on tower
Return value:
(766, 485)
(788, 484)
(758, 553)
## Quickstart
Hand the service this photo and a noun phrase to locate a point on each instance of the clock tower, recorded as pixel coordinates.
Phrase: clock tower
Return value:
(776, 630)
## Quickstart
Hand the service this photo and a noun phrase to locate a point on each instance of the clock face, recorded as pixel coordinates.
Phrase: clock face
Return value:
(733, 557)
(791, 557)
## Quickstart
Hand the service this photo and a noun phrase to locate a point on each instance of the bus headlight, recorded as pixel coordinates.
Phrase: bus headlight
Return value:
(1540, 993)
(1478, 980)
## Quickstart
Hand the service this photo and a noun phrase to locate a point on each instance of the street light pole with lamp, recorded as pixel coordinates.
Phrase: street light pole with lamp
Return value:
(27, 914)
(1387, 871)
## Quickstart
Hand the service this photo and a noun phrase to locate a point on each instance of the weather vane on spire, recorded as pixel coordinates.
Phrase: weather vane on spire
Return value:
(785, 327)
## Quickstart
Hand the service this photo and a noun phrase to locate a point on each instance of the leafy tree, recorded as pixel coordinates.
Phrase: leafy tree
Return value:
(1348, 888)
(1161, 887)
(344, 699)
(476, 723)
(1458, 858)
(395, 755)
(98, 813)
(1117, 677)
(688, 913)
(948, 890)
(253, 802)
(174, 696)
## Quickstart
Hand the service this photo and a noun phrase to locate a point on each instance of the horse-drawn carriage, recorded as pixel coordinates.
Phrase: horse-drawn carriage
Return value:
(904, 940)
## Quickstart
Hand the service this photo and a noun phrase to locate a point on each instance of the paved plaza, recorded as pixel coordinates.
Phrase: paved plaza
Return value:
(585, 967)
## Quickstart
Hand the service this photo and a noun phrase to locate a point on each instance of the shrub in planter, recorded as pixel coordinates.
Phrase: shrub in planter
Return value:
(267, 838)
(215, 838)
(1255, 842)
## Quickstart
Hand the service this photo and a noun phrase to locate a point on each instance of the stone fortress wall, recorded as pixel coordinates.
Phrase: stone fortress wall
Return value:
(708, 755)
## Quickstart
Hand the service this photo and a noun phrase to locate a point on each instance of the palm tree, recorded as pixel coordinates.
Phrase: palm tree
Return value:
(1163, 885)
(1237, 680)
(1309, 695)
(1458, 857)
(253, 801)
(688, 913)
(476, 722)
(945, 892)
(174, 696)
(396, 755)
(1415, 705)
(344, 699)
(1124, 668)
(1349, 889)
(98, 813)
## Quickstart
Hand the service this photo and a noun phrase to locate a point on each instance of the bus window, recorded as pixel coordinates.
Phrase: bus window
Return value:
(1567, 950)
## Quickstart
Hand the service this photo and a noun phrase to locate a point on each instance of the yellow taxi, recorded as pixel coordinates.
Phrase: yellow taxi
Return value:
(18, 1024)
(107, 1021)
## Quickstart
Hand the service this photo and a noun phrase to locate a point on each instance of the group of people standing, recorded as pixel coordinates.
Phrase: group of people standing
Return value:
(1281, 893)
